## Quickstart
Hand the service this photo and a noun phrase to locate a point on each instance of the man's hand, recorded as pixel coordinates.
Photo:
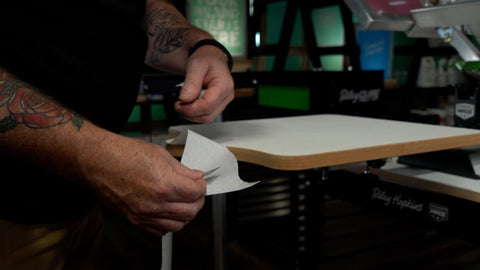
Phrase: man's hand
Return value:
(208, 68)
(145, 184)
(170, 38)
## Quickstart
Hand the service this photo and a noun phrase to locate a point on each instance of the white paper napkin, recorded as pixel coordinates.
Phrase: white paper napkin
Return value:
(203, 154)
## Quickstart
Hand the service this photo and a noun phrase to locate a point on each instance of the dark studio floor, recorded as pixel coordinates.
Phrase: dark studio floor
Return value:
(354, 237)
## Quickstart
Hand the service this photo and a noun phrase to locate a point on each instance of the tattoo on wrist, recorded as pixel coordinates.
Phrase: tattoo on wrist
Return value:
(20, 105)
(162, 27)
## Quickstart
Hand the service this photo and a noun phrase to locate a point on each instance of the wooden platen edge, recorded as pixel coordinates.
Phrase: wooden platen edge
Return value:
(327, 159)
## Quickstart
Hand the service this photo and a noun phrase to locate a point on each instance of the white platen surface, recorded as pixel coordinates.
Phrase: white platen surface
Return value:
(326, 139)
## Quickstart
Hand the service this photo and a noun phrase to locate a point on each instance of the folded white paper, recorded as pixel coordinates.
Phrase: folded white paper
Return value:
(203, 154)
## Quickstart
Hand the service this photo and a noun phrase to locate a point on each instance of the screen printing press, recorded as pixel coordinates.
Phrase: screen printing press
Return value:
(324, 142)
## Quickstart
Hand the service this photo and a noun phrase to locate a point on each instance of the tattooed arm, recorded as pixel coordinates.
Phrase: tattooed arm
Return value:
(170, 38)
(140, 180)
(28, 118)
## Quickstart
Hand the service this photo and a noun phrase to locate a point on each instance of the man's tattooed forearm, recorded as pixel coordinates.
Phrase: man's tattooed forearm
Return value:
(20, 105)
(162, 27)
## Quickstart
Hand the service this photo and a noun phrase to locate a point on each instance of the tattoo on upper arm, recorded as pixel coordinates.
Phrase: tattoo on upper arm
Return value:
(161, 26)
(20, 105)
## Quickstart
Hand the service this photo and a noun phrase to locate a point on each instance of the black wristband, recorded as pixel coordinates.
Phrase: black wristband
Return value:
(215, 43)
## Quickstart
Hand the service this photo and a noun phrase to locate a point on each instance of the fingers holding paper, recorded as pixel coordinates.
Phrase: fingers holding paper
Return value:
(175, 198)
(148, 186)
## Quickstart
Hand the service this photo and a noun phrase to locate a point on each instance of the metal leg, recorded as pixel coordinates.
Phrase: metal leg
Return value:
(167, 244)
(219, 212)
(219, 227)
(306, 200)
(298, 218)
(305, 211)
(314, 197)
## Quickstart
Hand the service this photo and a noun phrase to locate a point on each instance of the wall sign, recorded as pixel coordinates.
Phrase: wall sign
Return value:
(224, 19)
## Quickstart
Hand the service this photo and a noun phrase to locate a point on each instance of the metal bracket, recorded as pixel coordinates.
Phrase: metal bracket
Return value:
(457, 39)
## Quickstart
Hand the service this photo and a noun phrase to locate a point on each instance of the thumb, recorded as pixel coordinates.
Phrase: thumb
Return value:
(192, 86)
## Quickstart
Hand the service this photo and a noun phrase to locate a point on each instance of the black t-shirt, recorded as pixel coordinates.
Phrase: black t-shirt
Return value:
(89, 56)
